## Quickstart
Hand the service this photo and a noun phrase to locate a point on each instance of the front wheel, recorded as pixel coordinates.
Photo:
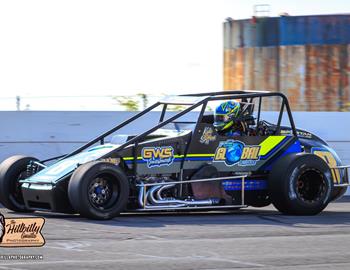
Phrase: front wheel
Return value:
(300, 184)
(98, 190)
(12, 170)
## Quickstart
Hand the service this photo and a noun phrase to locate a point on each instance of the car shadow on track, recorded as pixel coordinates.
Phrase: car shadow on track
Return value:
(250, 216)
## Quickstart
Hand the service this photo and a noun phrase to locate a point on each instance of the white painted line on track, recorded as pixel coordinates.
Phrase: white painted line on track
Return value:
(150, 258)
(11, 268)
(205, 258)
(211, 258)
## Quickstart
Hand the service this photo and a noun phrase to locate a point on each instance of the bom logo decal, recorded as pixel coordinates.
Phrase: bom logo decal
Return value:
(158, 156)
(236, 152)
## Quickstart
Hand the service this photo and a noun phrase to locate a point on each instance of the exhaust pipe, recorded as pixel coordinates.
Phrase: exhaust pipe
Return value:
(154, 199)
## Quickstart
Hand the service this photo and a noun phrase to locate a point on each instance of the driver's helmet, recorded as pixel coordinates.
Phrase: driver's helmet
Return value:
(225, 114)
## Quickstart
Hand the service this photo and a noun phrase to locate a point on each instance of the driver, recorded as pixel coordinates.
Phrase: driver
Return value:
(226, 119)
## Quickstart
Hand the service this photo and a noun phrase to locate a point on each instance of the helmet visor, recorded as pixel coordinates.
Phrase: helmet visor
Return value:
(220, 120)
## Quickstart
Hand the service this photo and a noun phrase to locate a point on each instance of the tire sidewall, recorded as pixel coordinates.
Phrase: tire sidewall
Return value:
(79, 184)
(10, 169)
(283, 179)
(299, 168)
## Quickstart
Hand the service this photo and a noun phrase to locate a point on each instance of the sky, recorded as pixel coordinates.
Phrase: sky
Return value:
(90, 48)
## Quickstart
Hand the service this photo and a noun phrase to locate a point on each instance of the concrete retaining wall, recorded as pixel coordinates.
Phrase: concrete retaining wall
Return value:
(45, 134)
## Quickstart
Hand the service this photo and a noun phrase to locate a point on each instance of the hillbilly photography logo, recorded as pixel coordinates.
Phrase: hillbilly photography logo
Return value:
(21, 232)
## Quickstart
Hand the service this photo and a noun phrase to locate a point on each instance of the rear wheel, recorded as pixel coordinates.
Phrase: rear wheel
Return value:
(98, 190)
(12, 170)
(300, 184)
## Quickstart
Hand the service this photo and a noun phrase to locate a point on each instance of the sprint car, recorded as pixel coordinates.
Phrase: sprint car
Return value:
(181, 163)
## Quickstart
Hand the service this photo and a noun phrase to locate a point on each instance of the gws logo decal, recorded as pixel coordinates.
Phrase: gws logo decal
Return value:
(236, 152)
(158, 156)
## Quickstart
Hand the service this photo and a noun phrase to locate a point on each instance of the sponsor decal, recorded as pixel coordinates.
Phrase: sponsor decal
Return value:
(249, 184)
(114, 161)
(302, 134)
(207, 136)
(236, 152)
(328, 157)
(158, 156)
(21, 232)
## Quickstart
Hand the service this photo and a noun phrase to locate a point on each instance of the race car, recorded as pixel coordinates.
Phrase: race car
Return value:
(181, 163)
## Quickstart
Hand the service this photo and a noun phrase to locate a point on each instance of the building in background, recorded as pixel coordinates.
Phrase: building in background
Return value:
(304, 57)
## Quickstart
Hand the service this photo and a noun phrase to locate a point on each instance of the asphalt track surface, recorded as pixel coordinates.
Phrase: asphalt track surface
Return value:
(245, 239)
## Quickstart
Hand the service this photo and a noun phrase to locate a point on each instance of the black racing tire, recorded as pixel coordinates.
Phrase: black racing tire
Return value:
(111, 197)
(257, 198)
(11, 171)
(300, 184)
(338, 192)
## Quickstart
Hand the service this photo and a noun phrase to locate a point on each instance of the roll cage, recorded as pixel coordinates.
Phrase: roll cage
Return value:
(193, 101)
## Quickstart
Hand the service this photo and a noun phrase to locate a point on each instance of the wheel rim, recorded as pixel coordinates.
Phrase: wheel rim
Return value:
(103, 192)
(311, 186)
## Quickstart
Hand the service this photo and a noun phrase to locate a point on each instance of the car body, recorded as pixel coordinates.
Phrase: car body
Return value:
(184, 165)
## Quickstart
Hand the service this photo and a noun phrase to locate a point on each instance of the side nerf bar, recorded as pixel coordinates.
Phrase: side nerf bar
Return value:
(345, 170)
